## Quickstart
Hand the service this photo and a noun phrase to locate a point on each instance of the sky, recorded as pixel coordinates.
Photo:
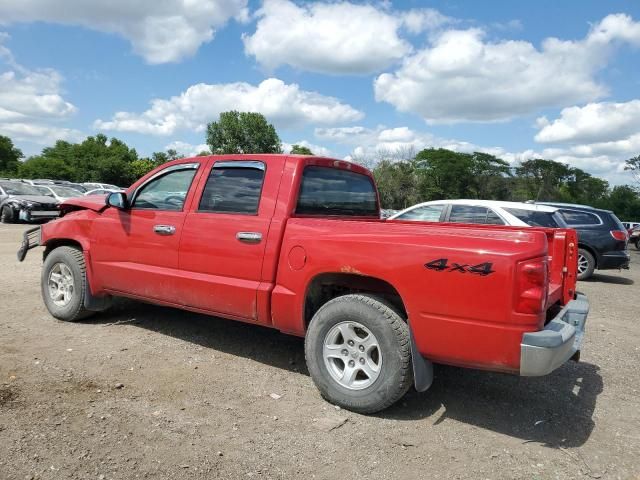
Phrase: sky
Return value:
(520, 80)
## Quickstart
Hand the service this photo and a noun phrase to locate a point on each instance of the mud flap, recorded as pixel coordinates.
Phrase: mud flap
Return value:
(422, 368)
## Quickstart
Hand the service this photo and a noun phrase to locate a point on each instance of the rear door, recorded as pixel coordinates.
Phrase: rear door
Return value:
(224, 237)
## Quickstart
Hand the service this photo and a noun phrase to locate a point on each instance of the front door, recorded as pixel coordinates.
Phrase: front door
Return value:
(224, 237)
(135, 251)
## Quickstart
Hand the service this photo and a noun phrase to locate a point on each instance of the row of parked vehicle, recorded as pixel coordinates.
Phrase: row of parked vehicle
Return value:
(602, 238)
(36, 200)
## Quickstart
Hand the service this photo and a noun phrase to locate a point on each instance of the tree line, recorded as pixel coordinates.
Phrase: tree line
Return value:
(404, 177)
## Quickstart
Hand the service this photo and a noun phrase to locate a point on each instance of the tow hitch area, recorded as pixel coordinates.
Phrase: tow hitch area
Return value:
(30, 239)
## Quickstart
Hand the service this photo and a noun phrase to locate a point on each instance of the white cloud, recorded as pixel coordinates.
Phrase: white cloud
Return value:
(187, 149)
(285, 105)
(337, 38)
(316, 149)
(372, 142)
(159, 30)
(461, 76)
(39, 133)
(30, 97)
(594, 123)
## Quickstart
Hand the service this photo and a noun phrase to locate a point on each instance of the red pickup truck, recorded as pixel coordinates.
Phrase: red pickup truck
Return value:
(296, 243)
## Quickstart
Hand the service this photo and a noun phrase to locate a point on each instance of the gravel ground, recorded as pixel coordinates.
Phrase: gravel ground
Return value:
(149, 392)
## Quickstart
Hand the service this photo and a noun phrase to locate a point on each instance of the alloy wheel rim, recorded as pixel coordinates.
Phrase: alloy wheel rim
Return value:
(583, 264)
(352, 355)
(60, 284)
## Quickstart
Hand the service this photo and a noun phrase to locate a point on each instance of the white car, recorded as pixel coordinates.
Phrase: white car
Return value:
(59, 192)
(483, 211)
(630, 225)
(103, 186)
(101, 191)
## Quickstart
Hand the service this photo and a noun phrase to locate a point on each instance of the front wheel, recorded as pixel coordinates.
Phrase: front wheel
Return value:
(7, 215)
(358, 353)
(586, 264)
(63, 284)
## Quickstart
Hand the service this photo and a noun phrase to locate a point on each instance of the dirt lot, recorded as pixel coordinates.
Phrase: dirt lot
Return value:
(201, 397)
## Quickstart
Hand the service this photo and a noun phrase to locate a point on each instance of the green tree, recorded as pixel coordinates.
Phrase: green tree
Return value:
(242, 132)
(300, 150)
(540, 179)
(9, 156)
(633, 165)
(96, 159)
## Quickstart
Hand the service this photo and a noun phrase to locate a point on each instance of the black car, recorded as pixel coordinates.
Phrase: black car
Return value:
(19, 201)
(602, 239)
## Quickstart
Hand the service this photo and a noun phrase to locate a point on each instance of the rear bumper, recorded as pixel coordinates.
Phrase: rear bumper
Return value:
(543, 351)
(613, 260)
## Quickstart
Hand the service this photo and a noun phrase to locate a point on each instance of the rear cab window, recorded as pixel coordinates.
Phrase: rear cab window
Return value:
(326, 191)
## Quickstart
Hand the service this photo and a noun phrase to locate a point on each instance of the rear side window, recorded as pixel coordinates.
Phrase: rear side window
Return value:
(330, 191)
(425, 213)
(473, 214)
(576, 217)
(233, 188)
(534, 218)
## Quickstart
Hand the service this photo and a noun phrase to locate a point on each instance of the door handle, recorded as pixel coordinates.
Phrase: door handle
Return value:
(164, 229)
(249, 237)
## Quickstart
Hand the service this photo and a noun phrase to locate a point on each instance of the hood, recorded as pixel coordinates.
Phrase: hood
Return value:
(97, 203)
(35, 198)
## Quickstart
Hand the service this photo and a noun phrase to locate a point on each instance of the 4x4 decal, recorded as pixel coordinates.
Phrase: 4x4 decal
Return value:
(442, 264)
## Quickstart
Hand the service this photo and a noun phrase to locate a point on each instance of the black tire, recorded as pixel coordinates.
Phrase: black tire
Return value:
(638, 244)
(392, 334)
(589, 261)
(7, 215)
(73, 259)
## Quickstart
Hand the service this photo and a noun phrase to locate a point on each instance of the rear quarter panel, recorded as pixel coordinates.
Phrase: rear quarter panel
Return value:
(457, 318)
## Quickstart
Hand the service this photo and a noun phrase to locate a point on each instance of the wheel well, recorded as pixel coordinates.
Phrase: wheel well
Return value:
(328, 286)
(591, 251)
(63, 242)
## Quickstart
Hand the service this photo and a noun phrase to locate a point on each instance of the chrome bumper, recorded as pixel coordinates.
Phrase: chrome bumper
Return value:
(544, 351)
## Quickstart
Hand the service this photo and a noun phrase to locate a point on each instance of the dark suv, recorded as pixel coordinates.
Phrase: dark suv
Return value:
(602, 239)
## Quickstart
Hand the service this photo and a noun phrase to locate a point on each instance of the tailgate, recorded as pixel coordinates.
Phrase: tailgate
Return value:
(563, 265)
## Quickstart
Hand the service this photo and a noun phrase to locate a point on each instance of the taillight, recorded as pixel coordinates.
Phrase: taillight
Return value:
(532, 283)
(619, 235)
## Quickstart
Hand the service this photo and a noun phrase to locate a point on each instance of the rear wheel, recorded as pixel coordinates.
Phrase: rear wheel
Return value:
(7, 215)
(638, 244)
(63, 284)
(586, 264)
(358, 353)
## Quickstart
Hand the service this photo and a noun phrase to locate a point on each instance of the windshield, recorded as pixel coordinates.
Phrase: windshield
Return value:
(16, 188)
(66, 191)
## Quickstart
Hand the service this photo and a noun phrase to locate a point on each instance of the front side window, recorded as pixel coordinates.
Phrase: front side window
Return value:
(468, 214)
(425, 213)
(233, 187)
(331, 191)
(166, 192)
(576, 217)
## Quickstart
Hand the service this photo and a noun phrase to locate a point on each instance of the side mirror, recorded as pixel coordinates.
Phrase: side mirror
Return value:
(117, 200)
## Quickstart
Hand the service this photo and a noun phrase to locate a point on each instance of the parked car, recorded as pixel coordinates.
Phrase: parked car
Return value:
(296, 243)
(602, 238)
(630, 226)
(482, 211)
(77, 186)
(36, 181)
(634, 237)
(20, 201)
(59, 192)
(101, 191)
(106, 186)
